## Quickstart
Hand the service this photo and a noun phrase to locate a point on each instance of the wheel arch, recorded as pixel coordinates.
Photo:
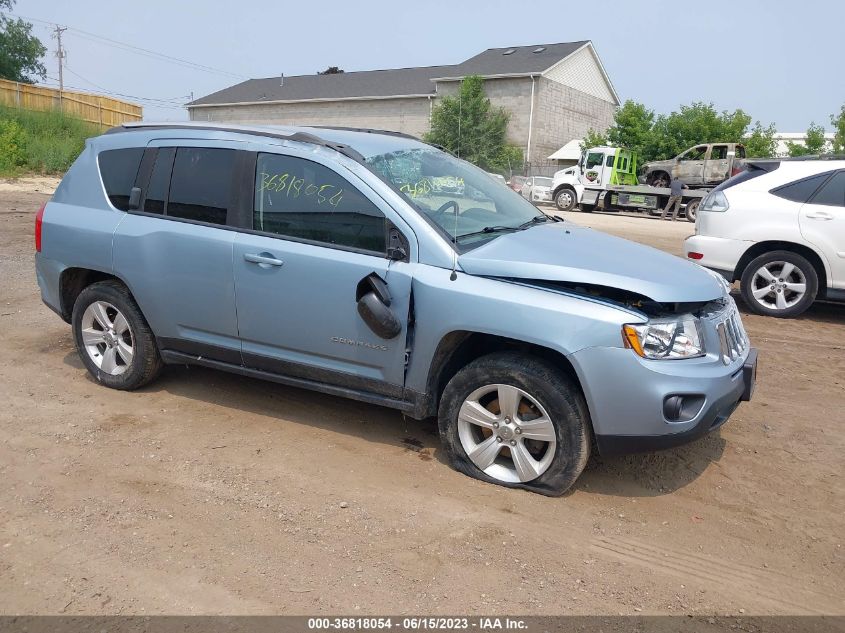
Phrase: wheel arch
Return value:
(74, 280)
(761, 248)
(459, 348)
(562, 186)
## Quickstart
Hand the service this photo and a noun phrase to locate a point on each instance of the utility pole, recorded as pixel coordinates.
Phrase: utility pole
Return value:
(60, 54)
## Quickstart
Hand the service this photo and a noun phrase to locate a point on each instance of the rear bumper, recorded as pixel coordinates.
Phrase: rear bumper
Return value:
(719, 253)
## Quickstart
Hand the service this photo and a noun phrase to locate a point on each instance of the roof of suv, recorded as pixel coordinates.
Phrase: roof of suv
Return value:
(356, 143)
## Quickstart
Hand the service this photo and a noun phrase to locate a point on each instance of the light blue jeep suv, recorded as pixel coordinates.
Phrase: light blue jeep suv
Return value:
(337, 260)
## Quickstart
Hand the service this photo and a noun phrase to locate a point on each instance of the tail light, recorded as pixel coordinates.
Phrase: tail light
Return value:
(39, 223)
(694, 255)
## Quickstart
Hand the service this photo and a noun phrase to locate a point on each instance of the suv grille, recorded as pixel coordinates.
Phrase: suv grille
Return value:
(733, 340)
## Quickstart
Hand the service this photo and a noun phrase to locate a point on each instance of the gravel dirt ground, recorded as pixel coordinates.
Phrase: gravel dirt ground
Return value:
(212, 493)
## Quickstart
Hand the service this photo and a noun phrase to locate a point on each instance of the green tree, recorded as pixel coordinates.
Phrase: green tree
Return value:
(331, 70)
(633, 128)
(693, 124)
(20, 50)
(471, 128)
(593, 139)
(838, 123)
(815, 143)
(760, 142)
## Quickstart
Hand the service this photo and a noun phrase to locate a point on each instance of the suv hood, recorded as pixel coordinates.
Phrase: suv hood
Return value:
(566, 252)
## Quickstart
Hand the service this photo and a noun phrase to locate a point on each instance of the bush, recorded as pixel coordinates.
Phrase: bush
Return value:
(13, 145)
(41, 142)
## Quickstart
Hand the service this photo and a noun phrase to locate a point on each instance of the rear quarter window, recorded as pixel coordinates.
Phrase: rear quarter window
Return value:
(801, 190)
(119, 168)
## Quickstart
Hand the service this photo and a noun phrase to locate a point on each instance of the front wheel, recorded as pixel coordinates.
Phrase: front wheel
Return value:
(516, 421)
(565, 199)
(780, 284)
(112, 337)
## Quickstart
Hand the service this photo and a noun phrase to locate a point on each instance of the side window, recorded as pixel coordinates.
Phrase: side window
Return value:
(801, 190)
(302, 199)
(156, 199)
(696, 153)
(832, 192)
(719, 152)
(119, 168)
(609, 161)
(593, 159)
(740, 151)
(201, 185)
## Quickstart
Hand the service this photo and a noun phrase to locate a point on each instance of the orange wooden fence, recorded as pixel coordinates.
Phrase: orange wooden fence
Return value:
(97, 109)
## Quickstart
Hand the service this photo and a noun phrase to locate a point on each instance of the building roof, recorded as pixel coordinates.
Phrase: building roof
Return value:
(514, 60)
(570, 151)
(399, 82)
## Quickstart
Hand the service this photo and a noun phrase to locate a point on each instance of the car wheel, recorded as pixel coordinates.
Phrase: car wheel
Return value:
(691, 210)
(565, 199)
(781, 284)
(112, 337)
(516, 421)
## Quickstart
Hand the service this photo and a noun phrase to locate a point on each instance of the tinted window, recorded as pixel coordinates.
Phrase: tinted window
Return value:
(833, 191)
(299, 198)
(119, 167)
(201, 185)
(594, 159)
(801, 190)
(156, 200)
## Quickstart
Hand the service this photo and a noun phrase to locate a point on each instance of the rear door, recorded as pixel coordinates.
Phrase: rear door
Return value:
(310, 241)
(822, 221)
(175, 252)
(716, 166)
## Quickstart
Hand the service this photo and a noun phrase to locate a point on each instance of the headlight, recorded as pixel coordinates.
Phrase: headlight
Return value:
(665, 338)
(715, 201)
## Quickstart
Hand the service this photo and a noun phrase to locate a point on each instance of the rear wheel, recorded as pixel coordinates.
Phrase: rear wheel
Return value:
(565, 199)
(516, 421)
(112, 337)
(659, 179)
(691, 210)
(781, 284)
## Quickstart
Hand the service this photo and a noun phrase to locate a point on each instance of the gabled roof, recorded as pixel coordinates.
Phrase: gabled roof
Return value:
(514, 60)
(393, 83)
(368, 83)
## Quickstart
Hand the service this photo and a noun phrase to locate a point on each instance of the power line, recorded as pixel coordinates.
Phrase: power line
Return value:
(170, 102)
(140, 51)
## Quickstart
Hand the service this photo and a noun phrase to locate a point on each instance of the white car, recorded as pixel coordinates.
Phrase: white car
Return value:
(778, 228)
(537, 189)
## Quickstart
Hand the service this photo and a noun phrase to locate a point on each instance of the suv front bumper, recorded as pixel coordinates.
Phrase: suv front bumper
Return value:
(627, 395)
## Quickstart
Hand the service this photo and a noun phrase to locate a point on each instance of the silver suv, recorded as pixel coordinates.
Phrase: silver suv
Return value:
(336, 260)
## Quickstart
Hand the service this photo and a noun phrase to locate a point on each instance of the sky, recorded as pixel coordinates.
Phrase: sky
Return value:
(781, 61)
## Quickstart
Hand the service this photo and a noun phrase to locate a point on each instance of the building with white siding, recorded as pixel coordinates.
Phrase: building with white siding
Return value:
(554, 93)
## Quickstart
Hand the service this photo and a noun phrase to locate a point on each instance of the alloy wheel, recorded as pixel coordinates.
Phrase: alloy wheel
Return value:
(107, 338)
(778, 285)
(506, 433)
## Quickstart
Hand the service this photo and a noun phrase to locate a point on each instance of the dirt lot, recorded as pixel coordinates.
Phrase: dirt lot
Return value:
(212, 493)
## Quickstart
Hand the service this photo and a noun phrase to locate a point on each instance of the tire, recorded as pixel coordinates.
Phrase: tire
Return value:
(785, 299)
(565, 199)
(548, 404)
(587, 208)
(122, 354)
(691, 210)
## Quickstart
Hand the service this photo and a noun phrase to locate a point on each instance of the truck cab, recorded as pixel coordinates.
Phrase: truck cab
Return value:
(597, 168)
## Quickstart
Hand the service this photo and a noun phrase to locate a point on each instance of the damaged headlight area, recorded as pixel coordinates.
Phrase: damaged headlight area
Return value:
(672, 338)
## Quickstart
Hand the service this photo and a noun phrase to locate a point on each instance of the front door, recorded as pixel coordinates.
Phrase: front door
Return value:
(315, 238)
(822, 221)
(691, 165)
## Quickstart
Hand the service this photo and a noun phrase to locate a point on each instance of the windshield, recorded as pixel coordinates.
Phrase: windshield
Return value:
(542, 182)
(464, 201)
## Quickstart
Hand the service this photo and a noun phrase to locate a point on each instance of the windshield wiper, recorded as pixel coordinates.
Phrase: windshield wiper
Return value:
(537, 219)
(489, 229)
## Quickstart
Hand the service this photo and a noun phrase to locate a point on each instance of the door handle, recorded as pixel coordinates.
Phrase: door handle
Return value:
(263, 259)
(820, 215)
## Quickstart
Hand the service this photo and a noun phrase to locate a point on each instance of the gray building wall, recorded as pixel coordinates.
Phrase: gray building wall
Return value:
(561, 114)
(408, 115)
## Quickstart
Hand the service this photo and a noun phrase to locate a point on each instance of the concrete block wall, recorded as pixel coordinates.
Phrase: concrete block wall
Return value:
(562, 113)
(410, 115)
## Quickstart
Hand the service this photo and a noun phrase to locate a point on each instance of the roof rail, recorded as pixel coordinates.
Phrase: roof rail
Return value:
(299, 137)
(366, 130)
